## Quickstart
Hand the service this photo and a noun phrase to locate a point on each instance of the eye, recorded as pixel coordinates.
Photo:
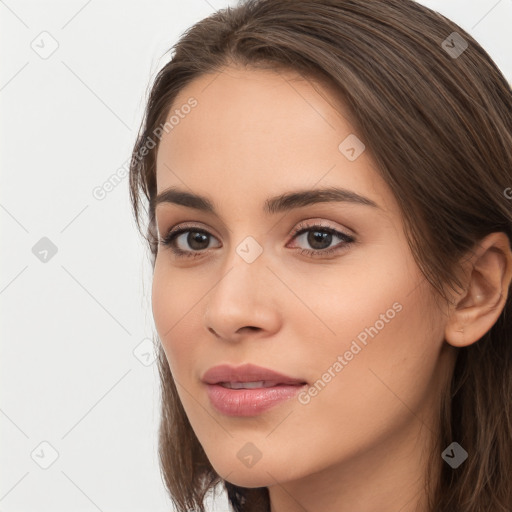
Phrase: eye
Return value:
(197, 239)
(320, 238)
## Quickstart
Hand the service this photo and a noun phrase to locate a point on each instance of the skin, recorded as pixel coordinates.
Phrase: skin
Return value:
(359, 445)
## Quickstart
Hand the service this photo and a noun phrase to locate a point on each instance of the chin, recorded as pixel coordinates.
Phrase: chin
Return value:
(261, 474)
(245, 478)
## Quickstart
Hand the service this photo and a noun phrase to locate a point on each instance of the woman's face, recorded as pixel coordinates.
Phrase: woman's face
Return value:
(355, 320)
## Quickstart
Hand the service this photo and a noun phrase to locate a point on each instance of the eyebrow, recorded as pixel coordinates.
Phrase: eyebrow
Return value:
(273, 205)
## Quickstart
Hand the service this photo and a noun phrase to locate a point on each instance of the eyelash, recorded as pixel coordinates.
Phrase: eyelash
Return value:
(347, 240)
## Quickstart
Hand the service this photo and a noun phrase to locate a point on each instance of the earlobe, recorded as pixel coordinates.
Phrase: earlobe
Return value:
(487, 278)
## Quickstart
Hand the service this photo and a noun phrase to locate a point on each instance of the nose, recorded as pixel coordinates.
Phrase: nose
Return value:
(242, 304)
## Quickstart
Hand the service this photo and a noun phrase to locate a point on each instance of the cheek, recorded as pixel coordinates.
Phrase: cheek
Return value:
(370, 332)
(362, 296)
(176, 301)
(384, 355)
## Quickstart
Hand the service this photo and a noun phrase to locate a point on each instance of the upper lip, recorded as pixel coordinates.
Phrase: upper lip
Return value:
(246, 373)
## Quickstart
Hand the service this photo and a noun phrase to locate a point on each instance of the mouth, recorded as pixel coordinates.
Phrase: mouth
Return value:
(257, 384)
(248, 390)
(248, 376)
(249, 398)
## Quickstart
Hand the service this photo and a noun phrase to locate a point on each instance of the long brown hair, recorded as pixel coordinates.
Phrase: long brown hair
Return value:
(439, 126)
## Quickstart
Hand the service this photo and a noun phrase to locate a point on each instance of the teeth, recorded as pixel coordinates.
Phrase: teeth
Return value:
(249, 385)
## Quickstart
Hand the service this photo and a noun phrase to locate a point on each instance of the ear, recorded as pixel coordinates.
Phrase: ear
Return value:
(487, 277)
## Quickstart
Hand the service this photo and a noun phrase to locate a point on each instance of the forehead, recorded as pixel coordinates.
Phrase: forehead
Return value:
(254, 99)
(252, 129)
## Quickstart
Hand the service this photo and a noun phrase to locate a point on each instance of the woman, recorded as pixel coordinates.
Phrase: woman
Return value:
(330, 228)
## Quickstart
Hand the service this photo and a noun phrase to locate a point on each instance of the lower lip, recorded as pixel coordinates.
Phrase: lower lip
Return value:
(249, 402)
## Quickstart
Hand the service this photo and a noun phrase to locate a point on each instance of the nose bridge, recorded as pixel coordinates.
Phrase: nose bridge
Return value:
(244, 270)
(239, 299)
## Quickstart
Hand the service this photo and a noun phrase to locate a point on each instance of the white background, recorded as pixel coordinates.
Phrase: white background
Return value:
(69, 326)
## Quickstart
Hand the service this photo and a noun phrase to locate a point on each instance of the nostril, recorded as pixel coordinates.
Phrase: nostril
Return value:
(249, 327)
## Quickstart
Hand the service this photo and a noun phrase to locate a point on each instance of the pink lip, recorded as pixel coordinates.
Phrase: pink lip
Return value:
(246, 373)
(248, 402)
